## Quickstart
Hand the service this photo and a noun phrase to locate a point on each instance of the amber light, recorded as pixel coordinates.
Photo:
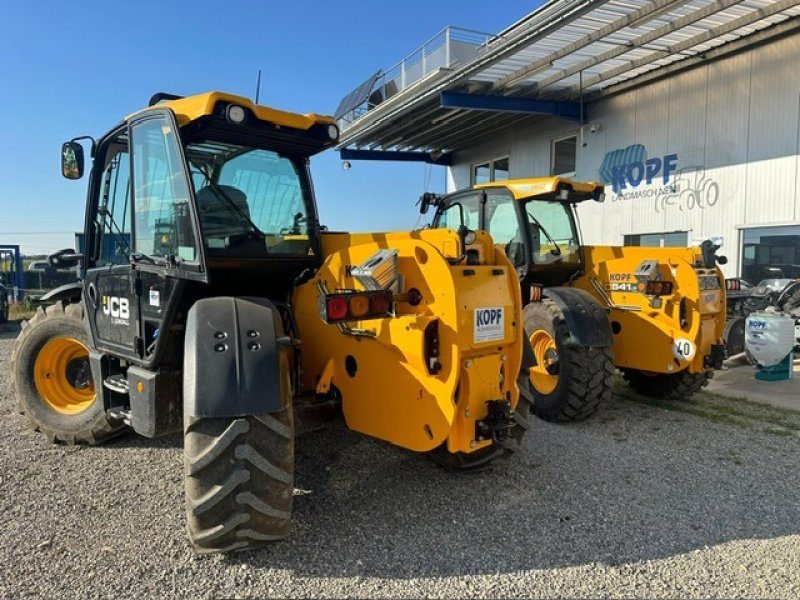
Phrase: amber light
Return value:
(359, 305)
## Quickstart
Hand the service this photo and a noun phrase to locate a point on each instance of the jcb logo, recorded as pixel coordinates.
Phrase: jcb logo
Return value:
(116, 307)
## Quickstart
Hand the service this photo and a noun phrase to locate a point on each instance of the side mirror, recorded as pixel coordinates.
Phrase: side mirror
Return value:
(64, 259)
(427, 200)
(72, 160)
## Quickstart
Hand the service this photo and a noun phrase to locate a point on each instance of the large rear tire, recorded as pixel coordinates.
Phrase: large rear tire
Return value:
(239, 479)
(667, 386)
(569, 382)
(53, 381)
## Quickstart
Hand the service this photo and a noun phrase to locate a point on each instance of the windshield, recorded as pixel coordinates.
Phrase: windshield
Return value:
(549, 222)
(249, 194)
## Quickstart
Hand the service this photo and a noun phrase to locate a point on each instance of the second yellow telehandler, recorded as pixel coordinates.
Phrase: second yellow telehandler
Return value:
(656, 314)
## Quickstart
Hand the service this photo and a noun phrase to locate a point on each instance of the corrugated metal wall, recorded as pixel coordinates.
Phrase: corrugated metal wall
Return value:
(734, 125)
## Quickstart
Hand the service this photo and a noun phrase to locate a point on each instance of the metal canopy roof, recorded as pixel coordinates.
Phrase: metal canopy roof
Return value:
(565, 51)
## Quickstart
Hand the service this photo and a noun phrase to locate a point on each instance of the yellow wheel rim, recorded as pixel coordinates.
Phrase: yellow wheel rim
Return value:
(544, 349)
(62, 376)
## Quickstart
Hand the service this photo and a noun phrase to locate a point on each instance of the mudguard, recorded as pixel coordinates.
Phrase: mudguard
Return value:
(234, 358)
(68, 291)
(587, 320)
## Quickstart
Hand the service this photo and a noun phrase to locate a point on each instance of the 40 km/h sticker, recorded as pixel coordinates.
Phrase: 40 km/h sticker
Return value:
(489, 324)
(683, 349)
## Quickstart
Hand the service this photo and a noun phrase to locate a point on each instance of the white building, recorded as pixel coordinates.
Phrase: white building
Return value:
(690, 116)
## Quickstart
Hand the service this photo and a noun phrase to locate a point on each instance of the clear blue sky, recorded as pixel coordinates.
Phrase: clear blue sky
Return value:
(76, 68)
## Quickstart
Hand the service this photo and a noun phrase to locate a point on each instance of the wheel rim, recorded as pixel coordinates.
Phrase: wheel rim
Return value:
(63, 377)
(546, 353)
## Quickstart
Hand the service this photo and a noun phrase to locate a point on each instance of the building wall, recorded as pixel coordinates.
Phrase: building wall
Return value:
(734, 125)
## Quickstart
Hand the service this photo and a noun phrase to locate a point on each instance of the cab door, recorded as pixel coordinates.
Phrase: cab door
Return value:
(132, 294)
(167, 241)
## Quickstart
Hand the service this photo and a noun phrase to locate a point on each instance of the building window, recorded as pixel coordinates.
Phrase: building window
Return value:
(770, 252)
(564, 156)
(670, 239)
(493, 170)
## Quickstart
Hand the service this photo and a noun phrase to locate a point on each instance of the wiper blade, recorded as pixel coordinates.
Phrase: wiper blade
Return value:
(139, 257)
(557, 250)
(231, 204)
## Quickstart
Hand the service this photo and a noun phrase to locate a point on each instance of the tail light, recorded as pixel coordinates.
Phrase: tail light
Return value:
(357, 306)
(655, 288)
(733, 285)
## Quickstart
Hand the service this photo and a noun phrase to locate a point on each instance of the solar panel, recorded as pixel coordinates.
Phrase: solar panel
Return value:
(357, 97)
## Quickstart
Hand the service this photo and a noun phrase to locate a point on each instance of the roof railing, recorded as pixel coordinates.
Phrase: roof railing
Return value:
(451, 47)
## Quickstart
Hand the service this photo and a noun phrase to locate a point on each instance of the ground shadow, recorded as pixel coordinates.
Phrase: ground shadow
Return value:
(636, 483)
(10, 330)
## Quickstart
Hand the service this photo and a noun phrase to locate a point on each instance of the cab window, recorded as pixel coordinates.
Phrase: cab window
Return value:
(470, 205)
(552, 232)
(161, 192)
(250, 191)
(114, 211)
(501, 218)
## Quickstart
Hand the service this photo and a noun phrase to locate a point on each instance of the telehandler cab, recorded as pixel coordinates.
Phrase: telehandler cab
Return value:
(657, 314)
(211, 299)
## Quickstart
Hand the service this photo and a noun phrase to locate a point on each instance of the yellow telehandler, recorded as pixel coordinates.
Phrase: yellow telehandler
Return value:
(657, 314)
(212, 300)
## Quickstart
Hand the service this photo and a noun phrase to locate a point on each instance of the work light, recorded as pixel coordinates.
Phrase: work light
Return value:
(236, 114)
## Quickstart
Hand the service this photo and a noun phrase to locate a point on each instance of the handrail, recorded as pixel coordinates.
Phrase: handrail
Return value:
(438, 52)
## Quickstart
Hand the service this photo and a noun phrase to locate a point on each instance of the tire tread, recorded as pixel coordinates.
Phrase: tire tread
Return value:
(239, 480)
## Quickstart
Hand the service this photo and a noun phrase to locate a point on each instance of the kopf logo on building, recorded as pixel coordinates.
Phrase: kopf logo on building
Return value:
(489, 324)
(630, 167)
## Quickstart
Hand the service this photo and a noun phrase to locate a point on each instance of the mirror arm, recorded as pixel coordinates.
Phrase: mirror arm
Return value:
(93, 145)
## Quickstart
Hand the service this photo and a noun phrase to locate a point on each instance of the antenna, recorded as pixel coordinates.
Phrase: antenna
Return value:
(258, 85)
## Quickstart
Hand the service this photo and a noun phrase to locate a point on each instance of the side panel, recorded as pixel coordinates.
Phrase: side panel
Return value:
(384, 379)
(112, 308)
(233, 363)
(650, 334)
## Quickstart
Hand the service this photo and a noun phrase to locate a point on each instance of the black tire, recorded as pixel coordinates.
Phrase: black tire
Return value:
(89, 426)
(667, 386)
(497, 453)
(239, 480)
(733, 336)
(585, 374)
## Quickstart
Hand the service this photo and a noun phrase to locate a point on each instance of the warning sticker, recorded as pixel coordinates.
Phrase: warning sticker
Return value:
(489, 324)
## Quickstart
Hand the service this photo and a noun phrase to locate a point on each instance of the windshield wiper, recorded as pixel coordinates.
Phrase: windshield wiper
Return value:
(557, 250)
(231, 204)
(139, 257)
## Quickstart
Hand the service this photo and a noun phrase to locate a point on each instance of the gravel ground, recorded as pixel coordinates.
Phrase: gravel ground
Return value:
(644, 500)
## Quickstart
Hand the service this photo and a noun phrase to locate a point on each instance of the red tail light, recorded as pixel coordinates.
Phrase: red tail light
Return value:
(733, 285)
(656, 288)
(357, 306)
(380, 303)
(335, 308)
